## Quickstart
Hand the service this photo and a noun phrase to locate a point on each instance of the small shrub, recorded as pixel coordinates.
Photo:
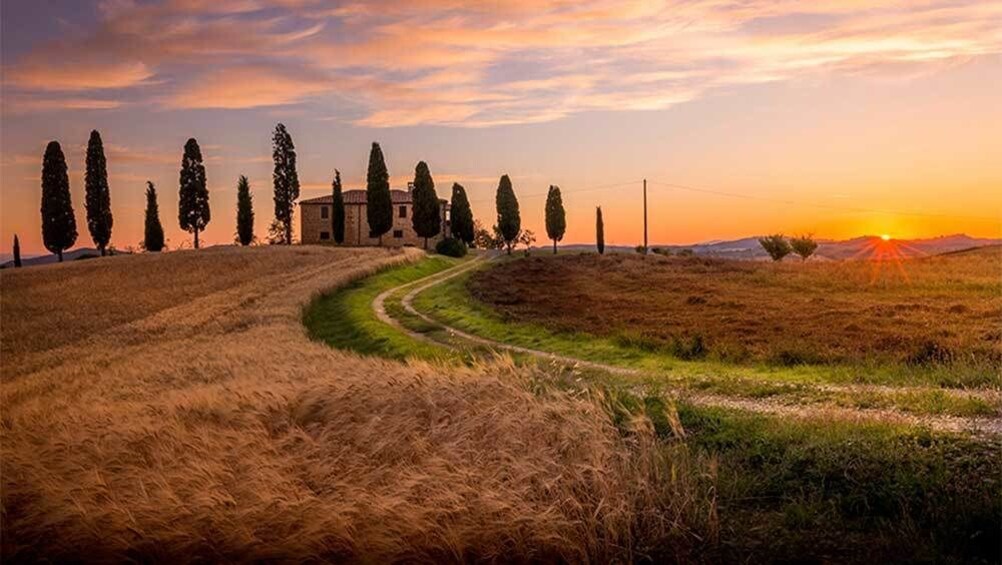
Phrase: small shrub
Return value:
(930, 353)
(793, 356)
(688, 349)
(640, 249)
(451, 247)
(661, 251)
(686, 252)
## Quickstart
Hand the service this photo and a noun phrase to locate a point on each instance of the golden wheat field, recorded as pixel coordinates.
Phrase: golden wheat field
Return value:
(170, 407)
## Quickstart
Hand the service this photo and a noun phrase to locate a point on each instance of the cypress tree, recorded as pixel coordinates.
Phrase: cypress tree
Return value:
(193, 205)
(98, 200)
(556, 221)
(461, 217)
(509, 220)
(245, 212)
(379, 204)
(427, 215)
(17, 252)
(599, 231)
(153, 238)
(286, 179)
(337, 210)
(59, 225)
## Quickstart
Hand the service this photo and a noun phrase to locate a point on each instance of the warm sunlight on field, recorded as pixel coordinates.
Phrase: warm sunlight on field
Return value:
(171, 408)
(943, 309)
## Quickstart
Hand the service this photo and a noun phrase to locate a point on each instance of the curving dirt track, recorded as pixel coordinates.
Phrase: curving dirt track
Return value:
(989, 426)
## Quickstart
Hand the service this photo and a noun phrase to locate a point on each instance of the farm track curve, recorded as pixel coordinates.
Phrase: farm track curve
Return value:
(978, 425)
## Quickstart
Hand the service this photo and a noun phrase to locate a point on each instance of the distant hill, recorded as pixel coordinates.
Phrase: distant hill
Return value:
(74, 255)
(748, 248)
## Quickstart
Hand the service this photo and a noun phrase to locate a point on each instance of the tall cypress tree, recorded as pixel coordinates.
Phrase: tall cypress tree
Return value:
(153, 237)
(193, 205)
(509, 220)
(378, 203)
(245, 212)
(286, 179)
(98, 200)
(427, 215)
(59, 225)
(599, 231)
(460, 215)
(337, 209)
(556, 222)
(17, 252)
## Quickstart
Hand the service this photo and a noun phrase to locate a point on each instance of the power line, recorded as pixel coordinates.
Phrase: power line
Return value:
(814, 205)
(586, 189)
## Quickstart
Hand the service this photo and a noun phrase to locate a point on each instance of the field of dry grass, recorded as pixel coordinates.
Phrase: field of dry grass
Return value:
(943, 309)
(172, 408)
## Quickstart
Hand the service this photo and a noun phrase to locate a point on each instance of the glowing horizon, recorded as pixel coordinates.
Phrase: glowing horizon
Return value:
(835, 118)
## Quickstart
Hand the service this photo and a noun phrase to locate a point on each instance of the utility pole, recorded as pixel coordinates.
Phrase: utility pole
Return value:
(645, 216)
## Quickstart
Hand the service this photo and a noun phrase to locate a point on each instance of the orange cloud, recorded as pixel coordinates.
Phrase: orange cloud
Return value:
(247, 87)
(45, 74)
(483, 63)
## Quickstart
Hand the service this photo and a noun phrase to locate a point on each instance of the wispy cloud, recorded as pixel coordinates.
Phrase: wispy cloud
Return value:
(478, 64)
(247, 87)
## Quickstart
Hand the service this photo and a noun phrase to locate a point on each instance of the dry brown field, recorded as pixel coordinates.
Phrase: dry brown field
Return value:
(942, 309)
(171, 408)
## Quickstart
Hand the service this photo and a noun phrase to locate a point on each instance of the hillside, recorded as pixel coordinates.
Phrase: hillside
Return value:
(171, 408)
(846, 313)
(857, 248)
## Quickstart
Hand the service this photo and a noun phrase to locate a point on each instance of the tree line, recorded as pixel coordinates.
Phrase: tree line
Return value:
(779, 246)
(59, 230)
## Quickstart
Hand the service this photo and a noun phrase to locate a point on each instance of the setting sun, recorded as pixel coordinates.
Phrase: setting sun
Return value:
(885, 237)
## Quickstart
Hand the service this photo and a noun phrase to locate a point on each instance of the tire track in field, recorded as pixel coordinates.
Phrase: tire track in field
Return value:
(982, 425)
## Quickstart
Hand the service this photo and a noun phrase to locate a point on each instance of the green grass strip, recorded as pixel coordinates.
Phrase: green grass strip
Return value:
(344, 318)
(451, 304)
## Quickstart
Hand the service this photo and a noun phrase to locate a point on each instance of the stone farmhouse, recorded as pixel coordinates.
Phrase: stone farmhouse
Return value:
(315, 220)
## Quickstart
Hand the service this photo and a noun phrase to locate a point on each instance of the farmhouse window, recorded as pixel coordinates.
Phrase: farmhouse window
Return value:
(403, 211)
(398, 233)
(325, 235)
(325, 212)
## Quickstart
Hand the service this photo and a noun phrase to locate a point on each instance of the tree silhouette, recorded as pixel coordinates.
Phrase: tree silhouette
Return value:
(245, 212)
(59, 225)
(776, 246)
(193, 203)
(337, 212)
(153, 239)
(556, 221)
(804, 245)
(286, 179)
(98, 195)
(460, 215)
(509, 220)
(599, 231)
(427, 214)
(378, 203)
(17, 252)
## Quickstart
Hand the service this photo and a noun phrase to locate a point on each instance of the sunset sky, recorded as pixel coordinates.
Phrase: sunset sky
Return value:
(840, 118)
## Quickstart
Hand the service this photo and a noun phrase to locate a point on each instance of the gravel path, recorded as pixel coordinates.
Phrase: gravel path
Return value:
(981, 426)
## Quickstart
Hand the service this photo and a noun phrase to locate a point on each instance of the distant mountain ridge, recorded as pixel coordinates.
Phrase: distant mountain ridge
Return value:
(863, 247)
(746, 248)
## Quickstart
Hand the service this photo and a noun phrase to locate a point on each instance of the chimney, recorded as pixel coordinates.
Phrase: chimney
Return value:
(410, 186)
